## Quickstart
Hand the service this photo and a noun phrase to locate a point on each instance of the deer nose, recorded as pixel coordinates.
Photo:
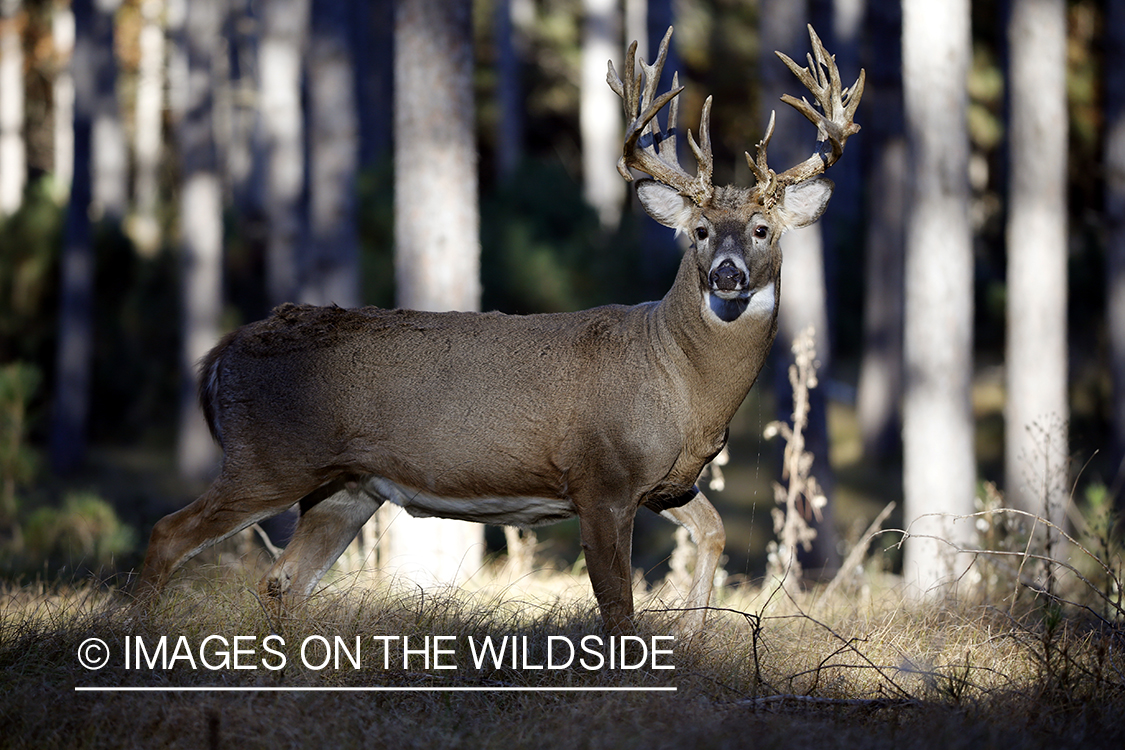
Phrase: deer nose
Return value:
(727, 277)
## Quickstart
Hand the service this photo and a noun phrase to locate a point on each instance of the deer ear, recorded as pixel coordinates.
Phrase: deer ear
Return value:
(804, 202)
(664, 204)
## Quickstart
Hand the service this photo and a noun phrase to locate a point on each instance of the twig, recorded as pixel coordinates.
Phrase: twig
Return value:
(273, 549)
(906, 533)
(815, 700)
(857, 553)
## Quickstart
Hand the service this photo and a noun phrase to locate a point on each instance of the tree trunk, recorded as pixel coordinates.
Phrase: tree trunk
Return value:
(803, 301)
(1115, 219)
(76, 263)
(599, 111)
(373, 46)
(13, 150)
(148, 139)
(884, 141)
(647, 22)
(1035, 445)
(331, 274)
(239, 117)
(509, 136)
(636, 30)
(62, 95)
(437, 246)
(842, 225)
(938, 462)
(201, 230)
(284, 27)
(110, 153)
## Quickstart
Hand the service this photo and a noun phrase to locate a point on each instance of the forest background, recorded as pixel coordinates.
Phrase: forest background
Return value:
(142, 214)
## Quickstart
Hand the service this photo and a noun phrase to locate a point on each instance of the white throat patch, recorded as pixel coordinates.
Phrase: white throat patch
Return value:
(759, 307)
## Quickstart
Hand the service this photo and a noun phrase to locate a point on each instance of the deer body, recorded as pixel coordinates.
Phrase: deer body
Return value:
(504, 419)
(460, 405)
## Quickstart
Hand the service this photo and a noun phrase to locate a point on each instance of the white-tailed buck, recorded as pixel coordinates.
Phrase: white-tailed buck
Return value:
(521, 420)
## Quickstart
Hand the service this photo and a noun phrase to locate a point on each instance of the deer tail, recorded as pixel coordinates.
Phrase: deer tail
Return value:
(210, 372)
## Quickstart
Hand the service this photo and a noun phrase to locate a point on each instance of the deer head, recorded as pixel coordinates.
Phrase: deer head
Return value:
(734, 230)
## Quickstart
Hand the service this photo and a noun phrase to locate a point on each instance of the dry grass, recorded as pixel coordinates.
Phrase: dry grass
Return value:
(865, 669)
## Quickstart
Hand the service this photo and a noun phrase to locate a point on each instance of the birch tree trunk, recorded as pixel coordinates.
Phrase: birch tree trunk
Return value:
(13, 150)
(437, 245)
(201, 230)
(938, 463)
(1035, 451)
(599, 111)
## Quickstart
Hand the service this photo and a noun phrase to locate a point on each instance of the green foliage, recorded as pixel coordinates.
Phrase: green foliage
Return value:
(84, 531)
(1101, 532)
(18, 384)
(542, 249)
(30, 239)
(377, 234)
(136, 338)
(136, 309)
(18, 462)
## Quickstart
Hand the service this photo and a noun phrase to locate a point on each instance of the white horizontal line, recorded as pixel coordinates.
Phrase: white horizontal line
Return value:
(372, 689)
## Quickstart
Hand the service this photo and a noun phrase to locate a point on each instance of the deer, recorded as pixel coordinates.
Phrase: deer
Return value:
(521, 419)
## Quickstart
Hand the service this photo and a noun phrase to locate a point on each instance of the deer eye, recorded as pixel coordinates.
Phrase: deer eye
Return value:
(701, 233)
(761, 231)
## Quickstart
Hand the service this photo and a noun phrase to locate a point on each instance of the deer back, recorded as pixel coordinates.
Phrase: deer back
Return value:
(458, 404)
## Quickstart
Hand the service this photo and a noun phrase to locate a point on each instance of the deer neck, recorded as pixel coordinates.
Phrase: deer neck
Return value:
(719, 361)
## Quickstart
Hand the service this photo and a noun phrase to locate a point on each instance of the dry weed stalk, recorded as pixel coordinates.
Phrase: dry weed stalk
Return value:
(1020, 558)
(852, 565)
(803, 494)
(521, 550)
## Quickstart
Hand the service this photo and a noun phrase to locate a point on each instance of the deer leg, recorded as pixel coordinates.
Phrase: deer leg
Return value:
(323, 533)
(607, 539)
(229, 505)
(702, 521)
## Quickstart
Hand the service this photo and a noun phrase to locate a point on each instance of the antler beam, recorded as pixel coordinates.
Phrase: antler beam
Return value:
(645, 147)
(834, 121)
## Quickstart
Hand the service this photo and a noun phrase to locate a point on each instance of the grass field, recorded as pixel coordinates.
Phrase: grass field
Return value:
(1027, 652)
(864, 669)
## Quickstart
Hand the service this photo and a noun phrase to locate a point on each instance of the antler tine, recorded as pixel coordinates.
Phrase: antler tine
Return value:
(759, 167)
(668, 143)
(640, 110)
(645, 147)
(834, 122)
(702, 151)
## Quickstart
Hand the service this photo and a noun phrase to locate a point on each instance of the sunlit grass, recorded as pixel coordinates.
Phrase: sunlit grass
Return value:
(868, 668)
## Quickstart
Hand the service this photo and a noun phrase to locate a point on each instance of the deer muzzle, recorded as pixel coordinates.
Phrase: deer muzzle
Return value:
(728, 279)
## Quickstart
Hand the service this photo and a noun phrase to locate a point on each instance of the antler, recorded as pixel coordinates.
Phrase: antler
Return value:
(834, 123)
(646, 148)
